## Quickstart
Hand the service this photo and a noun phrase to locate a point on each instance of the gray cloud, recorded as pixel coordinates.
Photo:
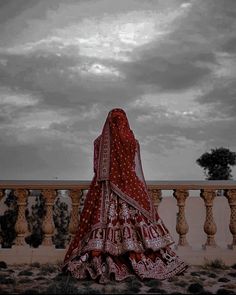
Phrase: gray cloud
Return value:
(20, 160)
(229, 46)
(175, 74)
(53, 134)
(52, 78)
(10, 9)
(31, 162)
(222, 98)
(166, 130)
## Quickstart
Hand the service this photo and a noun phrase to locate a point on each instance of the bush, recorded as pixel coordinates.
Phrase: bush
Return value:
(195, 288)
(8, 220)
(35, 220)
(61, 220)
(217, 264)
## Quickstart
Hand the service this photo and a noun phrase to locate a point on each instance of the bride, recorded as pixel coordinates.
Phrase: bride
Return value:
(120, 232)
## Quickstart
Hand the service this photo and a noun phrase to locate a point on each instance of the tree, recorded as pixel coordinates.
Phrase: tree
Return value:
(61, 220)
(35, 221)
(8, 220)
(217, 162)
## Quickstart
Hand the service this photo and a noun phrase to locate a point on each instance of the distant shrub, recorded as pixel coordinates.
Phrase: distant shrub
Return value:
(8, 220)
(61, 220)
(25, 273)
(35, 264)
(195, 288)
(48, 267)
(35, 220)
(217, 264)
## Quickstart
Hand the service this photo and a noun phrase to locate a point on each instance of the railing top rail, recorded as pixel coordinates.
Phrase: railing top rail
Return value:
(84, 184)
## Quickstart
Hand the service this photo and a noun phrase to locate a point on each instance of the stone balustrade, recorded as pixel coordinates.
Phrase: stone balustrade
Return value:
(180, 193)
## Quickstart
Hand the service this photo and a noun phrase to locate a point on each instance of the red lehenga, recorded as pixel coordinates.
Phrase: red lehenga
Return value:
(120, 232)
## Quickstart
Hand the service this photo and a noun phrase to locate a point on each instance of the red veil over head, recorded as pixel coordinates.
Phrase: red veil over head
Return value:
(119, 162)
(117, 168)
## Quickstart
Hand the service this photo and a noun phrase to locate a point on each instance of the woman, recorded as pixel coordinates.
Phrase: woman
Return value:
(120, 233)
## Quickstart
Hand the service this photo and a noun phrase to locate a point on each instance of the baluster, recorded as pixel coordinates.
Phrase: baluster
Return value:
(181, 225)
(74, 219)
(156, 195)
(21, 225)
(231, 196)
(210, 228)
(48, 226)
(2, 193)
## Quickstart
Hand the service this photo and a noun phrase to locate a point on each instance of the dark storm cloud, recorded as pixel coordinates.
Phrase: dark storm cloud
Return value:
(49, 74)
(11, 8)
(52, 78)
(184, 61)
(170, 74)
(156, 134)
(34, 72)
(171, 136)
(222, 98)
(212, 21)
(4, 119)
(221, 132)
(229, 46)
(186, 57)
(43, 62)
(165, 134)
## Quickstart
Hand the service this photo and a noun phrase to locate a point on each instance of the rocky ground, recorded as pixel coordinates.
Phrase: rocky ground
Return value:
(210, 278)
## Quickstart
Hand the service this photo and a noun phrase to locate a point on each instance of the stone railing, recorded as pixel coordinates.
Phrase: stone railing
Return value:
(182, 212)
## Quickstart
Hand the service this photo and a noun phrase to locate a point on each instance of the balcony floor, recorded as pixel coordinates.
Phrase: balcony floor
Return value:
(210, 278)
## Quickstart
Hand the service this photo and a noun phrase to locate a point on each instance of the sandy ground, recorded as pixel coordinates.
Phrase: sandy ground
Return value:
(47, 279)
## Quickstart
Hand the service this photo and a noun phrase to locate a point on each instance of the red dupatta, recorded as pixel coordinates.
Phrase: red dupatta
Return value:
(119, 163)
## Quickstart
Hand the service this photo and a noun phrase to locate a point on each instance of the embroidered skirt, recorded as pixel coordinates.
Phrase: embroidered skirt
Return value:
(129, 245)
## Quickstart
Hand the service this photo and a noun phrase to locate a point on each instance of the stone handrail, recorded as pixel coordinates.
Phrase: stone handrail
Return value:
(180, 191)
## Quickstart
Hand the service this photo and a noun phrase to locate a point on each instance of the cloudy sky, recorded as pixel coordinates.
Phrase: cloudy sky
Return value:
(170, 64)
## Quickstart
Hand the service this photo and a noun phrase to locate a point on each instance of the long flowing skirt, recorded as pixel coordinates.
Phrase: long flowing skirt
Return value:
(129, 245)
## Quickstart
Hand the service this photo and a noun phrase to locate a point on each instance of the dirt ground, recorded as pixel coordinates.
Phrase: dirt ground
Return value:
(211, 278)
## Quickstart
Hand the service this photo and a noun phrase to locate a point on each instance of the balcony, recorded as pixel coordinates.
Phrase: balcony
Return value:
(202, 222)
